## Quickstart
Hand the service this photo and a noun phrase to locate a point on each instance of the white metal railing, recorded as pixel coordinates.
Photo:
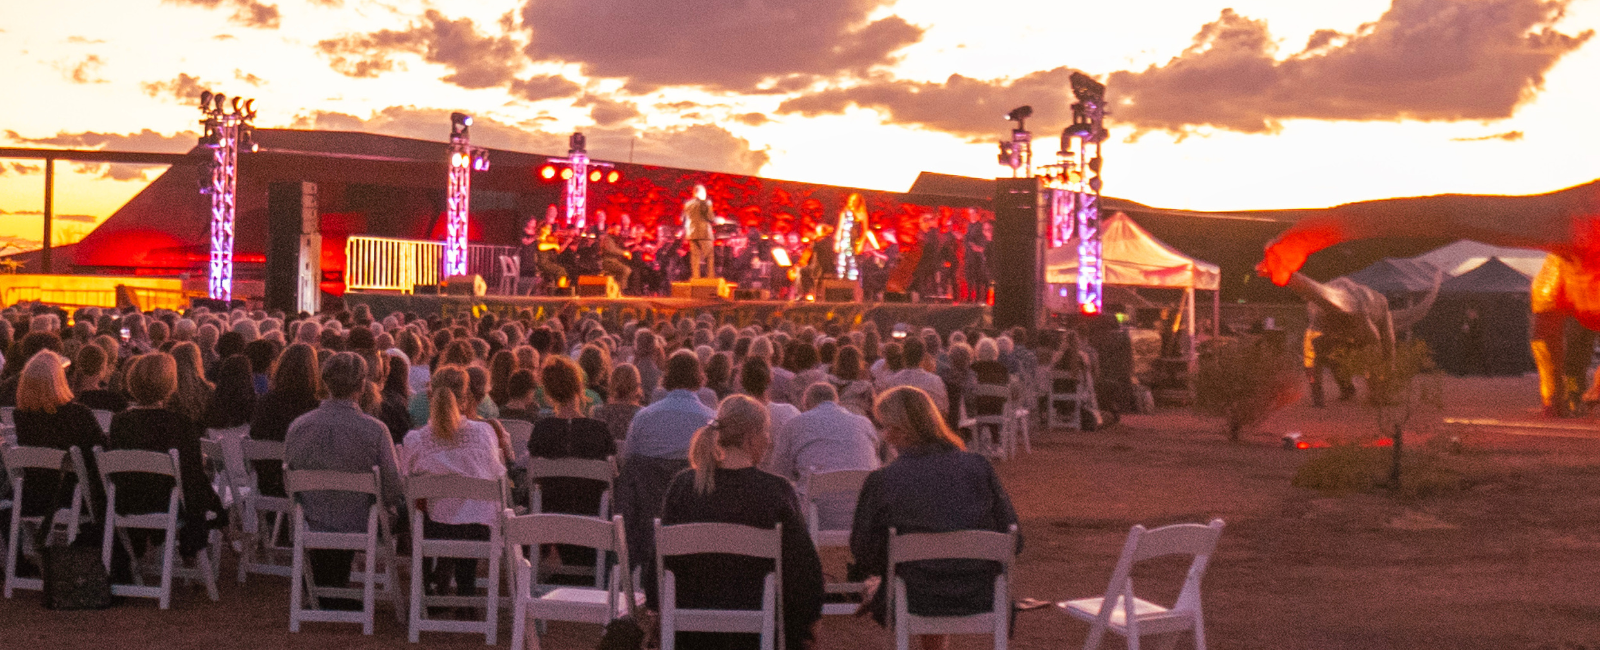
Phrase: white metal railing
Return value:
(387, 264)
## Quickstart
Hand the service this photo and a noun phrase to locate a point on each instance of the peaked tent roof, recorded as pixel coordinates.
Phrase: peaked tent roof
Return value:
(1397, 275)
(1465, 255)
(1493, 276)
(1133, 257)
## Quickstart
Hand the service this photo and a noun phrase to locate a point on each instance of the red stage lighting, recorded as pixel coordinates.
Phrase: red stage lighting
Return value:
(566, 174)
(1089, 309)
(547, 172)
(594, 176)
(614, 176)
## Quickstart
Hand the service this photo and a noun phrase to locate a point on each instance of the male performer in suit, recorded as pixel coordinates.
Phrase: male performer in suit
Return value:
(697, 220)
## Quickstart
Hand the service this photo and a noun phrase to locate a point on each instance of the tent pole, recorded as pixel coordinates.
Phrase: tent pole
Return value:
(1216, 311)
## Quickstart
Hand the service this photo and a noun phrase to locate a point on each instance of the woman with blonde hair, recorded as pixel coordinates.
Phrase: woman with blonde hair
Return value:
(933, 486)
(725, 486)
(453, 443)
(46, 416)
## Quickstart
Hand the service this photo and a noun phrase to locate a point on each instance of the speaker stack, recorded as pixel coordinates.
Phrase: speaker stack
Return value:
(294, 248)
(1020, 235)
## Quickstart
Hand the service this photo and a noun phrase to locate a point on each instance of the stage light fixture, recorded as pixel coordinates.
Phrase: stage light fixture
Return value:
(547, 172)
(1020, 113)
(614, 176)
(566, 174)
(461, 119)
(594, 176)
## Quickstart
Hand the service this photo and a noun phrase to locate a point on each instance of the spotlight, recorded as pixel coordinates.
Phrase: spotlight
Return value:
(614, 176)
(205, 99)
(547, 172)
(236, 101)
(566, 174)
(480, 160)
(219, 98)
(250, 108)
(461, 119)
(594, 176)
(1020, 113)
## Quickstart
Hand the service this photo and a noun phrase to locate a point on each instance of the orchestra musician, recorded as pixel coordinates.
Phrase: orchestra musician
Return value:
(697, 225)
(933, 263)
(614, 258)
(819, 261)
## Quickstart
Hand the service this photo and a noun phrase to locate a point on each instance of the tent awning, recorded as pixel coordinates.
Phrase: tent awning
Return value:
(1132, 256)
(1465, 255)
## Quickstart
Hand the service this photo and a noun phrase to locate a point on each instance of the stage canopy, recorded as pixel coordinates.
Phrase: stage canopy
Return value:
(1465, 255)
(1133, 257)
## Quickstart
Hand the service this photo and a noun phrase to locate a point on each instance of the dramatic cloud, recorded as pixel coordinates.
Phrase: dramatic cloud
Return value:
(249, 13)
(753, 119)
(1508, 136)
(248, 78)
(727, 44)
(84, 71)
(84, 40)
(184, 88)
(971, 108)
(1432, 60)
(701, 146)
(606, 112)
(544, 87)
(476, 59)
(20, 169)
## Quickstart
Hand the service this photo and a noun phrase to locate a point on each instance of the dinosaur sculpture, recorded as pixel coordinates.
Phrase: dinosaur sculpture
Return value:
(1344, 314)
(1565, 224)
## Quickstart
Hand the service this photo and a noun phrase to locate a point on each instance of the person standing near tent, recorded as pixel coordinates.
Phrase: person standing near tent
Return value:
(1472, 344)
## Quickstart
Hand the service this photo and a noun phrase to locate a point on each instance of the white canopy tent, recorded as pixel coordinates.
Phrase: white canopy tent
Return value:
(1131, 256)
(1465, 255)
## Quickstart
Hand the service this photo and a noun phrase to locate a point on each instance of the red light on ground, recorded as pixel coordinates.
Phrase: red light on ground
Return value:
(613, 177)
(1383, 442)
(1302, 445)
(594, 176)
(547, 172)
(566, 174)
(1090, 309)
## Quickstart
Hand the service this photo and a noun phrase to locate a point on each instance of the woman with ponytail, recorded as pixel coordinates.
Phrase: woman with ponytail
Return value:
(452, 443)
(933, 486)
(723, 485)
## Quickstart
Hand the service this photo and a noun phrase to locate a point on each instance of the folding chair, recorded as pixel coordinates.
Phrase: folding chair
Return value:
(137, 461)
(823, 486)
(1005, 443)
(1072, 390)
(419, 490)
(104, 418)
(1150, 619)
(8, 434)
(956, 545)
(374, 543)
(5, 416)
(520, 431)
(258, 549)
(508, 274)
(727, 539)
(594, 470)
(17, 460)
(525, 534)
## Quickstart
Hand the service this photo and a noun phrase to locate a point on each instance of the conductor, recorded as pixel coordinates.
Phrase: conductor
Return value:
(697, 220)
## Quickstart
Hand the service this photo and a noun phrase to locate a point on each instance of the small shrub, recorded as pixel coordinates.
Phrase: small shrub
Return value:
(1350, 468)
(1245, 380)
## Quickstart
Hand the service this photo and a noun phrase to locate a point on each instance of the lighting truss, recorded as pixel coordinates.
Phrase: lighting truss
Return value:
(464, 159)
(578, 183)
(1080, 150)
(227, 130)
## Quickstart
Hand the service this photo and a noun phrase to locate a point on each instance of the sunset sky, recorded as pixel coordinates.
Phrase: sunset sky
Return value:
(1215, 105)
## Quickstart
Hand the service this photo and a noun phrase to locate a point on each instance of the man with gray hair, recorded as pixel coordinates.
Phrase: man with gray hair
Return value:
(309, 333)
(338, 436)
(827, 437)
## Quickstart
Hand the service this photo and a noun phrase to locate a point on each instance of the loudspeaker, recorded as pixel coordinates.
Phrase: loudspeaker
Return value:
(598, 286)
(466, 285)
(840, 291)
(294, 248)
(1020, 231)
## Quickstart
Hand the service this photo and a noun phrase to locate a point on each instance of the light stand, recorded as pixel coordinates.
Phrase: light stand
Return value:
(464, 159)
(1080, 153)
(578, 162)
(227, 130)
(1017, 153)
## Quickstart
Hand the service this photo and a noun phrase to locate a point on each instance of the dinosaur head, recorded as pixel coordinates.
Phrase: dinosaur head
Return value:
(1289, 251)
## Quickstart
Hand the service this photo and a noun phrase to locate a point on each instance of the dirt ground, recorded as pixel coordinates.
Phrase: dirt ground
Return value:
(1510, 562)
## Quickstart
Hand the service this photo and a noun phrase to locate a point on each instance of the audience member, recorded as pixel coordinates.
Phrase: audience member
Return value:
(623, 405)
(295, 386)
(233, 402)
(90, 371)
(46, 416)
(754, 379)
(825, 438)
(916, 376)
(568, 434)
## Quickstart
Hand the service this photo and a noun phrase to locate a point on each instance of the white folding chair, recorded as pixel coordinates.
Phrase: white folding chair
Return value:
(374, 543)
(727, 539)
(67, 520)
(1004, 442)
(8, 434)
(1150, 619)
(419, 490)
(259, 548)
(825, 486)
(508, 274)
(1070, 390)
(5, 416)
(137, 461)
(594, 470)
(232, 457)
(104, 418)
(523, 537)
(956, 545)
(520, 431)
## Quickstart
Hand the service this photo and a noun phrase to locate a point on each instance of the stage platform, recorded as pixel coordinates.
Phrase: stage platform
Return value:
(941, 316)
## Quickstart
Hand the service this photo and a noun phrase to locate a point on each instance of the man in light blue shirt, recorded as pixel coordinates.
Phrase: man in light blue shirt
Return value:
(664, 428)
(827, 437)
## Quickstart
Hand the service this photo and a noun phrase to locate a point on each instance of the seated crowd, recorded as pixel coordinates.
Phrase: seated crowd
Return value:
(706, 423)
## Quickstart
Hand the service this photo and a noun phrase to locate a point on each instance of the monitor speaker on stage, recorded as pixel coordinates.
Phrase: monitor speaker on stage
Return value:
(1020, 233)
(294, 248)
(466, 285)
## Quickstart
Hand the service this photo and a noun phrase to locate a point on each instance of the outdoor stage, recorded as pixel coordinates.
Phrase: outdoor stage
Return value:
(941, 316)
